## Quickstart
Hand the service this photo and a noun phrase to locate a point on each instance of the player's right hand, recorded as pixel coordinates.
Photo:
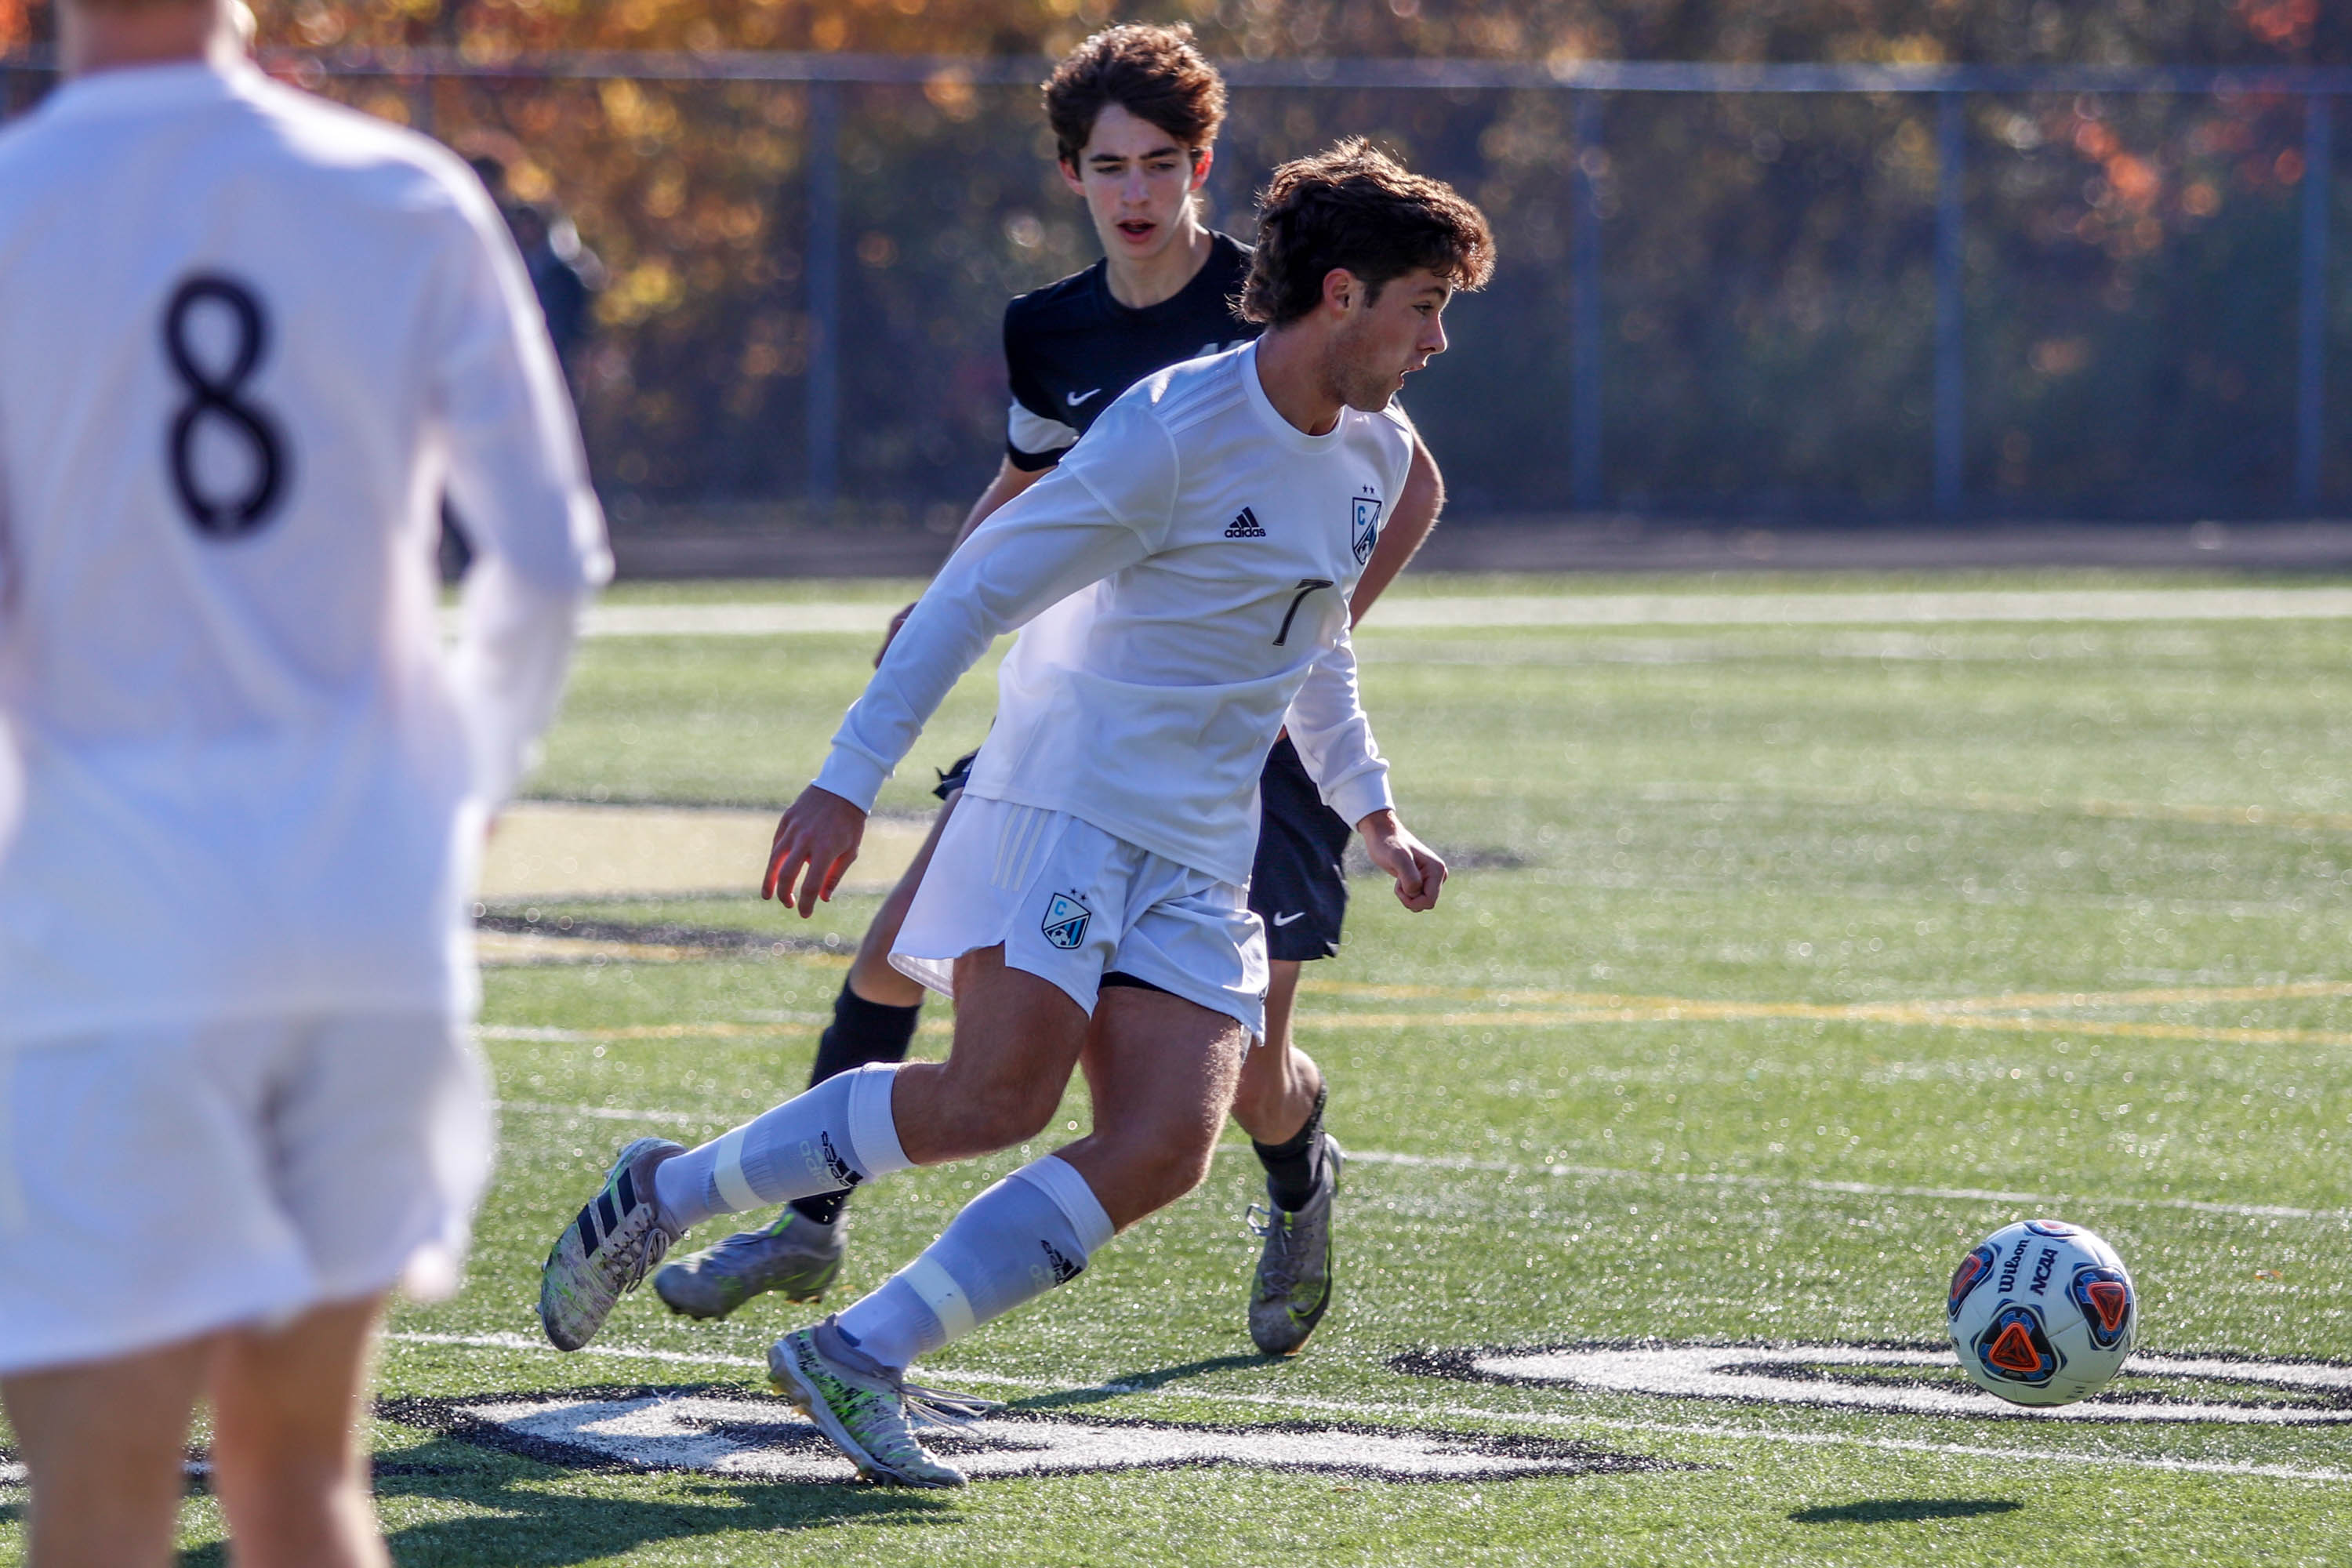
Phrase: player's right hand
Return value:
(816, 842)
(891, 636)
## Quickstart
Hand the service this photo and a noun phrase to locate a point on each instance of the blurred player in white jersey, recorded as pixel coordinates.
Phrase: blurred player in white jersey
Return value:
(250, 338)
(1182, 582)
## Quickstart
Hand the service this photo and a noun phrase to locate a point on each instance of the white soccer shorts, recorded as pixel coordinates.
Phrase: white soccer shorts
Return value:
(166, 1181)
(1072, 903)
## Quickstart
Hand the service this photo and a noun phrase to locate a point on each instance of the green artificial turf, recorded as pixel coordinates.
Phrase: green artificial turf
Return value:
(1781, 964)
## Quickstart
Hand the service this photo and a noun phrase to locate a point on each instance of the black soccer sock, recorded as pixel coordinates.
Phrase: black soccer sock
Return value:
(861, 1032)
(1293, 1169)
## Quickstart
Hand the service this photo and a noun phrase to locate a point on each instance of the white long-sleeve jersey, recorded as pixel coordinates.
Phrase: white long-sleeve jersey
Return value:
(251, 338)
(1183, 578)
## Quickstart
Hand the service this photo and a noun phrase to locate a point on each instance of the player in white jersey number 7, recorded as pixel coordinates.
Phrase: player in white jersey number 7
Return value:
(1086, 899)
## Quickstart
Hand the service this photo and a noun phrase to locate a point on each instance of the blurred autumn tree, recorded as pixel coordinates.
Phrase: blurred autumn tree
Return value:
(1768, 260)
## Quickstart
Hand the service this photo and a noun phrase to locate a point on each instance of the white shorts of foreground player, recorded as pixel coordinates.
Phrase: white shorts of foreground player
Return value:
(187, 1178)
(1072, 904)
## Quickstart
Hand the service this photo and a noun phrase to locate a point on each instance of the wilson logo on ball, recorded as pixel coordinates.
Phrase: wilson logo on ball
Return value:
(1974, 1270)
(2014, 1348)
(2106, 1298)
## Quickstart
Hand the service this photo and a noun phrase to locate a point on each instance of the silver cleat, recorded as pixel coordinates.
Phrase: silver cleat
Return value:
(1293, 1289)
(795, 1256)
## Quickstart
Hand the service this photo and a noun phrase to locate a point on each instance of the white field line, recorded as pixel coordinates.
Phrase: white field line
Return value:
(1377, 1411)
(1866, 609)
(1576, 610)
(1599, 1172)
(612, 1113)
(1862, 1189)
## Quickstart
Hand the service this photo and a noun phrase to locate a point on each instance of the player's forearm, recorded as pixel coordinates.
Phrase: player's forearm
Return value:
(996, 584)
(1408, 525)
(1334, 736)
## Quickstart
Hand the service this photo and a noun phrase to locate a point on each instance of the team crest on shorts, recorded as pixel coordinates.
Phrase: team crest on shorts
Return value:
(1065, 924)
(1364, 527)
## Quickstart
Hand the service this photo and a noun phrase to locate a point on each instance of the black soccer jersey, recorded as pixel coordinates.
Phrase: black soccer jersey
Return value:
(1071, 349)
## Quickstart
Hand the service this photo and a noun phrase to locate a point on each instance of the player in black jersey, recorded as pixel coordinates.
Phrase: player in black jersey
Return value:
(1135, 111)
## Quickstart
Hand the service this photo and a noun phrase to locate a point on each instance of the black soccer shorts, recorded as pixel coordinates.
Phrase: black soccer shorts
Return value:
(1298, 886)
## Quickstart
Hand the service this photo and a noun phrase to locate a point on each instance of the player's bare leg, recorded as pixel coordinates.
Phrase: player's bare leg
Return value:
(1161, 1071)
(870, 974)
(289, 1464)
(1279, 1103)
(105, 1444)
(1018, 1039)
(1280, 1083)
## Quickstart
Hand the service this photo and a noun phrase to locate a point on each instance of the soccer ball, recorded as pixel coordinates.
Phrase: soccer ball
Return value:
(2043, 1312)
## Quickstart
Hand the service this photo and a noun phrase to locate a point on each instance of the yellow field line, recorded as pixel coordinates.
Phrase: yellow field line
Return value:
(1345, 989)
(1734, 1012)
(501, 949)
(2152, 811)
(1686, 1013)
(2028, 805)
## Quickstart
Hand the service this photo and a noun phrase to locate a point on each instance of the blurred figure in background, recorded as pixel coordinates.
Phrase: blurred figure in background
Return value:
(564, 274)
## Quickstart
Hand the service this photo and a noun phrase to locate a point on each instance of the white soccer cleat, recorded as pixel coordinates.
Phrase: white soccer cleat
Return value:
(607, 1250)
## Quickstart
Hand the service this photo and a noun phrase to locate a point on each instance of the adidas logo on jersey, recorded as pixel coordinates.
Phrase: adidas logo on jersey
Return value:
(1245, 526)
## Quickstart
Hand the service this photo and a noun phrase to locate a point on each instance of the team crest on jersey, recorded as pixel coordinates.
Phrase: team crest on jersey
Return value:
(1364, 527)
(1065, 924)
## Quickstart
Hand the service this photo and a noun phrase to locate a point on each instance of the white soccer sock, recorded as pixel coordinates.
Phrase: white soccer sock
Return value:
(1032, 1231)
(839, 1133)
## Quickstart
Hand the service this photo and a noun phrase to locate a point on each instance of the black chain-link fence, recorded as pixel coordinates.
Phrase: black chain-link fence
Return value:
(1819, 292)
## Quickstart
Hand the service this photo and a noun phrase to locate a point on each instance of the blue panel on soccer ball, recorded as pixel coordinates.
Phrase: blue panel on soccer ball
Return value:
(1972, 1272)
(2015, 1347)
(2105, 1295)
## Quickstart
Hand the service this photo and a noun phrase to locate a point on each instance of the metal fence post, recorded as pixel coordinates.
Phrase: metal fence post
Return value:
(2311, 366)
(1585, 490)
(1950, 415)
(824, 275)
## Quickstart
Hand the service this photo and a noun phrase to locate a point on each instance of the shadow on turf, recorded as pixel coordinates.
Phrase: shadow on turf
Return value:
(520, 1526)
(1141, 1382)
(1903, 1510)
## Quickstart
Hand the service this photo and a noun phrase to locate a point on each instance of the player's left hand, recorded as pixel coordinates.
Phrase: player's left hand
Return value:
(1418, 871)
(816, 842)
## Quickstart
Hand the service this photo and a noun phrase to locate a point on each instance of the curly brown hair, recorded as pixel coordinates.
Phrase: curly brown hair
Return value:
(1154, 73)
(1353, 206)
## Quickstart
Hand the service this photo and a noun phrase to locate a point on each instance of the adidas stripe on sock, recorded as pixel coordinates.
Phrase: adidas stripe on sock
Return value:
(861, 1033)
